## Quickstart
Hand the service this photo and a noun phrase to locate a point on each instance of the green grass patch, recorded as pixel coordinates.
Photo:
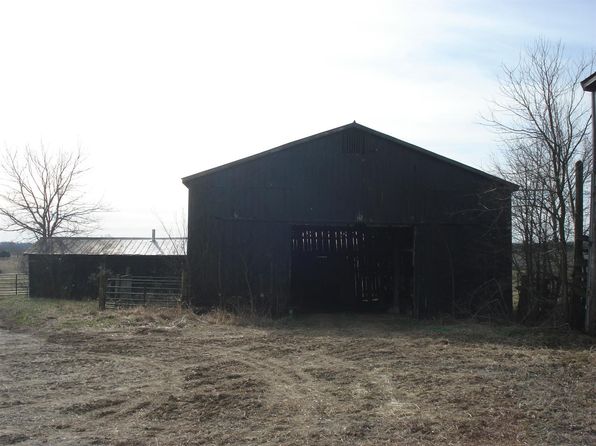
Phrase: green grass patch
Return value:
(74, 315)
(25, 312)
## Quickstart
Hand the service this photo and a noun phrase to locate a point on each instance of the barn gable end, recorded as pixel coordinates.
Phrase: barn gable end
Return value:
(363, 218)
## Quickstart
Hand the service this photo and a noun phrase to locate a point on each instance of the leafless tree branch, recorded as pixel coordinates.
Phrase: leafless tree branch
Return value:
(41, 194)
(544, 125)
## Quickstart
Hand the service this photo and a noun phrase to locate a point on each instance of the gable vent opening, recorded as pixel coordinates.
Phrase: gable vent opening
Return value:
(353, 143)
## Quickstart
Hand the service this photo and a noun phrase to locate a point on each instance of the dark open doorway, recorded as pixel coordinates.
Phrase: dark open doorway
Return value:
(359, 268)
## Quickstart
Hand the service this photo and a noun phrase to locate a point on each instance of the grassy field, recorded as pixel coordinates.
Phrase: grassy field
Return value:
(72, 375)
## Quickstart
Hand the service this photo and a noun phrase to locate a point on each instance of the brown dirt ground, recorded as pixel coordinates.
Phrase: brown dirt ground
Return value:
(321, 380)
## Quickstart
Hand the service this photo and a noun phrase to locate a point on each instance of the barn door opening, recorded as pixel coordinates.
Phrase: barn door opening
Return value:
(351, 268)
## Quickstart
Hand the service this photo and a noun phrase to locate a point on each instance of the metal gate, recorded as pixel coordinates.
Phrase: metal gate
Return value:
(132, 291)
(14, 284)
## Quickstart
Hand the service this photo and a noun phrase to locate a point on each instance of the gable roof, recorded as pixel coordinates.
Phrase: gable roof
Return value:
(355, 125)
(109, 246)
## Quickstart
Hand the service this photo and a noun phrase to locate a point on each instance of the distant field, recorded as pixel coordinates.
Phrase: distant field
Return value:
(74, 376)
(12, 264)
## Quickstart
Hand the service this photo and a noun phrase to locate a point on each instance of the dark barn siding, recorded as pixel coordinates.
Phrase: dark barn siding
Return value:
(240, 219)
(76, 276)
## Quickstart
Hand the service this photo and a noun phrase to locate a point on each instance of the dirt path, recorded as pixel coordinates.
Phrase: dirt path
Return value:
(301, 385)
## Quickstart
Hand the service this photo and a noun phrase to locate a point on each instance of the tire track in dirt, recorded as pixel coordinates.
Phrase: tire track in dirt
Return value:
(224, 384)
(80, 383)
(312, 387)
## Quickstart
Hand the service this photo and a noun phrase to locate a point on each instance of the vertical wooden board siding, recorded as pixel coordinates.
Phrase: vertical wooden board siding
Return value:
(430, 263)
(346, 178)
(76, 276)
(238, 260)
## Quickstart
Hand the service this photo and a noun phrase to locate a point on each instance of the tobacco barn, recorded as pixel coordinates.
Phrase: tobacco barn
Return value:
(350, 219)
(68, 267)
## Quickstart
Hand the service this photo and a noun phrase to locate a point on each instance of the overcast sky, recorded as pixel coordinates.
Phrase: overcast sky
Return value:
(154, 91)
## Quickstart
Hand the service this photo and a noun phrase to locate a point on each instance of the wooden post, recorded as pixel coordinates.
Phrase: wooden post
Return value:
(183, 293)
(575, 312)
(16, 284)
(101, 297)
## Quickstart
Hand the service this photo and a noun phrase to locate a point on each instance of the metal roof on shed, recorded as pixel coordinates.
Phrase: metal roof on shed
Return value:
(109, 246)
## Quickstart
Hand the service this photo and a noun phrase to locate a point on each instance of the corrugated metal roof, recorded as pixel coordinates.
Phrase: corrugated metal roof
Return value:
(109, 246)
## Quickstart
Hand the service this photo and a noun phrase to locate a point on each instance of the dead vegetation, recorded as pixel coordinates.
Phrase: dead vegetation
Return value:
(171, 377)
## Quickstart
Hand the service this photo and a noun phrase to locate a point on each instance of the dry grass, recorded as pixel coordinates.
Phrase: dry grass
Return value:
(171, 377)
(218, 316)
(221, 317)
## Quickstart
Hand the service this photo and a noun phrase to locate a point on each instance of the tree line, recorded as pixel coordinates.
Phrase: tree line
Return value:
(543, 121)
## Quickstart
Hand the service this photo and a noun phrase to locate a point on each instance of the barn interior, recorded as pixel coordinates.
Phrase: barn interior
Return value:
(355, 268)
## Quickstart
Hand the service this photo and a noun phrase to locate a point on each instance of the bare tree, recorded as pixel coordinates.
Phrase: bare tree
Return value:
(177, 233)
(41, 194)
(544, 125)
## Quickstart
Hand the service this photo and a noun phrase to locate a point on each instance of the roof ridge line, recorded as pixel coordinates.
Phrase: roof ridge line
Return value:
(268, 151)
(354, 124)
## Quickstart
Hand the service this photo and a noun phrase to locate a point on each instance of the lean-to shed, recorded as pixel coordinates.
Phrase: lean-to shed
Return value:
(68, 267)
(350, 219)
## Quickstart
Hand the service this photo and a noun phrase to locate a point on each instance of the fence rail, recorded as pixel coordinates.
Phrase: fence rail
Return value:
(14, 284)
(132, 291)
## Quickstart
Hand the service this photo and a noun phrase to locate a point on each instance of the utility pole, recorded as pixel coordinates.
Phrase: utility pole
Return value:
(589, 84)
(575, 310)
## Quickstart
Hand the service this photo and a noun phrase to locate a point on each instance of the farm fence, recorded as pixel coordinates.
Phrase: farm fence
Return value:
(14, 285)
(132, 291)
